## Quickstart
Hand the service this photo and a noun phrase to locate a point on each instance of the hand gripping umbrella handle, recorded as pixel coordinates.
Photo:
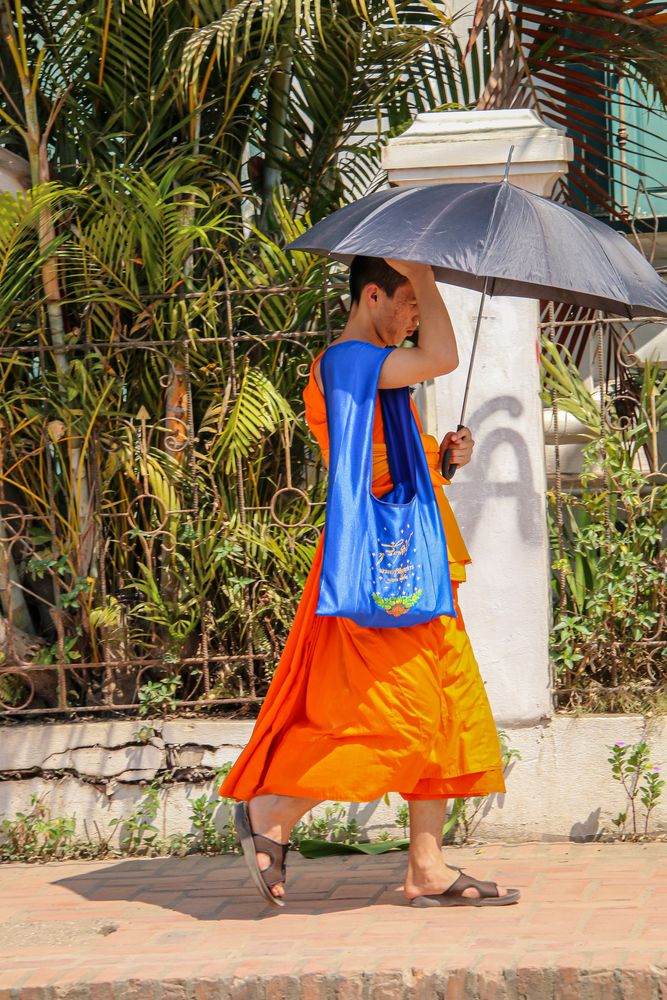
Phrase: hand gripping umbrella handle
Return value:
(449, 468)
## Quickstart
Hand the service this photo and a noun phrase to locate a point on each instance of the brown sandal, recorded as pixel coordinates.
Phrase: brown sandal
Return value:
(453, 896)
(253, 842)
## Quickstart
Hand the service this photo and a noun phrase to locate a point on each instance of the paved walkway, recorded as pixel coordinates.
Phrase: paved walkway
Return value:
(591, 924)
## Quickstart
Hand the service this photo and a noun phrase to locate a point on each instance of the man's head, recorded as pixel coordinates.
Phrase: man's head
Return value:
(385, 297)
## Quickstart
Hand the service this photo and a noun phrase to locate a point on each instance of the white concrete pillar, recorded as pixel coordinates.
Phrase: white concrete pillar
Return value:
(14, 172)
(499, 499)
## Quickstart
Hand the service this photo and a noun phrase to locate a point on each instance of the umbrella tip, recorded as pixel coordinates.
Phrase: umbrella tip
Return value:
(507, 165)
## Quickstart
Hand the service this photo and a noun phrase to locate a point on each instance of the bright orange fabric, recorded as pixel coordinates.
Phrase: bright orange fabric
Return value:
(352, 712)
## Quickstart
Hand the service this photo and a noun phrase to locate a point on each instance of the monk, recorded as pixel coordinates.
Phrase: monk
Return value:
(354, 712)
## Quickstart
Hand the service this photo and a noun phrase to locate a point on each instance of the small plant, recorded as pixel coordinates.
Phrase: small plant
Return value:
(631, 766)
(13, 689)
(465, 811)
(35, 834)
(202, 820)
(60, 567)
(208, 838)
(402, 818)
(139, 831)
(332, 826)
(51, 654)
(145, 734)
(158, 696)
(178, 845)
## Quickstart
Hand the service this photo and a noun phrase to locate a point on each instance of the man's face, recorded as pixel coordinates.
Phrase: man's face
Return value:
(397, 317)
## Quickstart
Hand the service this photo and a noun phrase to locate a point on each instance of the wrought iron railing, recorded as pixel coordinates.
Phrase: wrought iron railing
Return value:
(81, 629)
(139, 599)
(608, 522)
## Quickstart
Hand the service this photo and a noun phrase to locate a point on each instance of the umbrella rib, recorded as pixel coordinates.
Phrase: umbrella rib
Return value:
(380, 208)
(501, 186)
(436, 221)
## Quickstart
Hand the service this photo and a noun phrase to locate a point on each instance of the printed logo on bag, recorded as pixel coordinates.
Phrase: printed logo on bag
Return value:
(395, 575)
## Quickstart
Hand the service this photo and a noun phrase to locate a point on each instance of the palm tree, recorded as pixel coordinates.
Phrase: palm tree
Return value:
(154, 333)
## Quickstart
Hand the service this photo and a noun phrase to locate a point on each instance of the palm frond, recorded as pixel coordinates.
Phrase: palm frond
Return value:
(564, 59)
(20, 254)
(257, 410)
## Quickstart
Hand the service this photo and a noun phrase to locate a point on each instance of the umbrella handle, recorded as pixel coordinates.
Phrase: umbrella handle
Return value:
(449, 468)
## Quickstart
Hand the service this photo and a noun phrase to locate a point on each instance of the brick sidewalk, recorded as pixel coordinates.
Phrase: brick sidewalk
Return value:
(591, 924)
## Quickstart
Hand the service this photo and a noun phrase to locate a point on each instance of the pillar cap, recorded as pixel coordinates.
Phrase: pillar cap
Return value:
(443, 146)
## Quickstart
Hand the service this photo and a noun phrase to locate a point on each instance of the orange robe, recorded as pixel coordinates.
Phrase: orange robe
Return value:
(353, 712)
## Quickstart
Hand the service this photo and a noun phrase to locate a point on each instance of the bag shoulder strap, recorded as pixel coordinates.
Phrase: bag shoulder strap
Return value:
(350, 372)
(397, 420)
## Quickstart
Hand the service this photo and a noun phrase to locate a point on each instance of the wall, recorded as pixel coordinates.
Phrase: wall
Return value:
(560, 789)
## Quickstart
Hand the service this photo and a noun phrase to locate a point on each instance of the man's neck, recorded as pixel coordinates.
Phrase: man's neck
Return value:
(359, 327)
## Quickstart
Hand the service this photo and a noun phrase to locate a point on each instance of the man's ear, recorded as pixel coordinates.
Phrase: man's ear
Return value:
(371, 291)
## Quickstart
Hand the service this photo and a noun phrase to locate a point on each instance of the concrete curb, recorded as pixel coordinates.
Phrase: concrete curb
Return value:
(521, 982)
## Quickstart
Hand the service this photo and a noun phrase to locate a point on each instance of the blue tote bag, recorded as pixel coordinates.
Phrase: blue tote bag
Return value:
(385, 559)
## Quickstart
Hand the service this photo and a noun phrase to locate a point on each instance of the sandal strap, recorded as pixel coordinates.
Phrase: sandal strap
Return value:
(485, 888)
(276, 871)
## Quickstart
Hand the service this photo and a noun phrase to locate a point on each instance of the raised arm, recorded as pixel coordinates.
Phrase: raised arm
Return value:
(436, 353)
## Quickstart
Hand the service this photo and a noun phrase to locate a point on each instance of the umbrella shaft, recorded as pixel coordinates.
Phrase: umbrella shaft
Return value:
(472, 353)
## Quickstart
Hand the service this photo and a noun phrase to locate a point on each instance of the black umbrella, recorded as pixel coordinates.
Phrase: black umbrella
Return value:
(499, 239)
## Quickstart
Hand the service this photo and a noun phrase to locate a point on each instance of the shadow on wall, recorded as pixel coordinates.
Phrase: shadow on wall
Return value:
(472, 495)
(587, 830)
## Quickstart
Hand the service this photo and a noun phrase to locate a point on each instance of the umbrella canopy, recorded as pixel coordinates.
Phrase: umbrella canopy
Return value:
(499, 238)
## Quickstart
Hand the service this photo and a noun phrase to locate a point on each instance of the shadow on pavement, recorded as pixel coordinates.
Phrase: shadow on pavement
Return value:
(219, 887)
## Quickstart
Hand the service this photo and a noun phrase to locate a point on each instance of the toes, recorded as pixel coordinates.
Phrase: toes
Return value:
(474, 892)
(264, 862)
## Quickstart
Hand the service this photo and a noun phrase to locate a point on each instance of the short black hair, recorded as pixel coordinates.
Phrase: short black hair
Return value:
(373, 270)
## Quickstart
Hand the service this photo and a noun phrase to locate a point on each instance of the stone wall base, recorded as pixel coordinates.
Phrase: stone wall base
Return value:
(561, 788)
(533, 980)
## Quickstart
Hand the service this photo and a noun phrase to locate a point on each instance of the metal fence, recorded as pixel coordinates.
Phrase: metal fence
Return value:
(609, 518)
(57, 657)
(108, 519)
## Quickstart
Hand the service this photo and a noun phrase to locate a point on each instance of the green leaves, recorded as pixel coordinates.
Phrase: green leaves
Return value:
(257, 410)
(632, 767)
(326, 848)
(560, 377)
(572, 63)
(158, 696)
(608, 630)
(20, 255)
